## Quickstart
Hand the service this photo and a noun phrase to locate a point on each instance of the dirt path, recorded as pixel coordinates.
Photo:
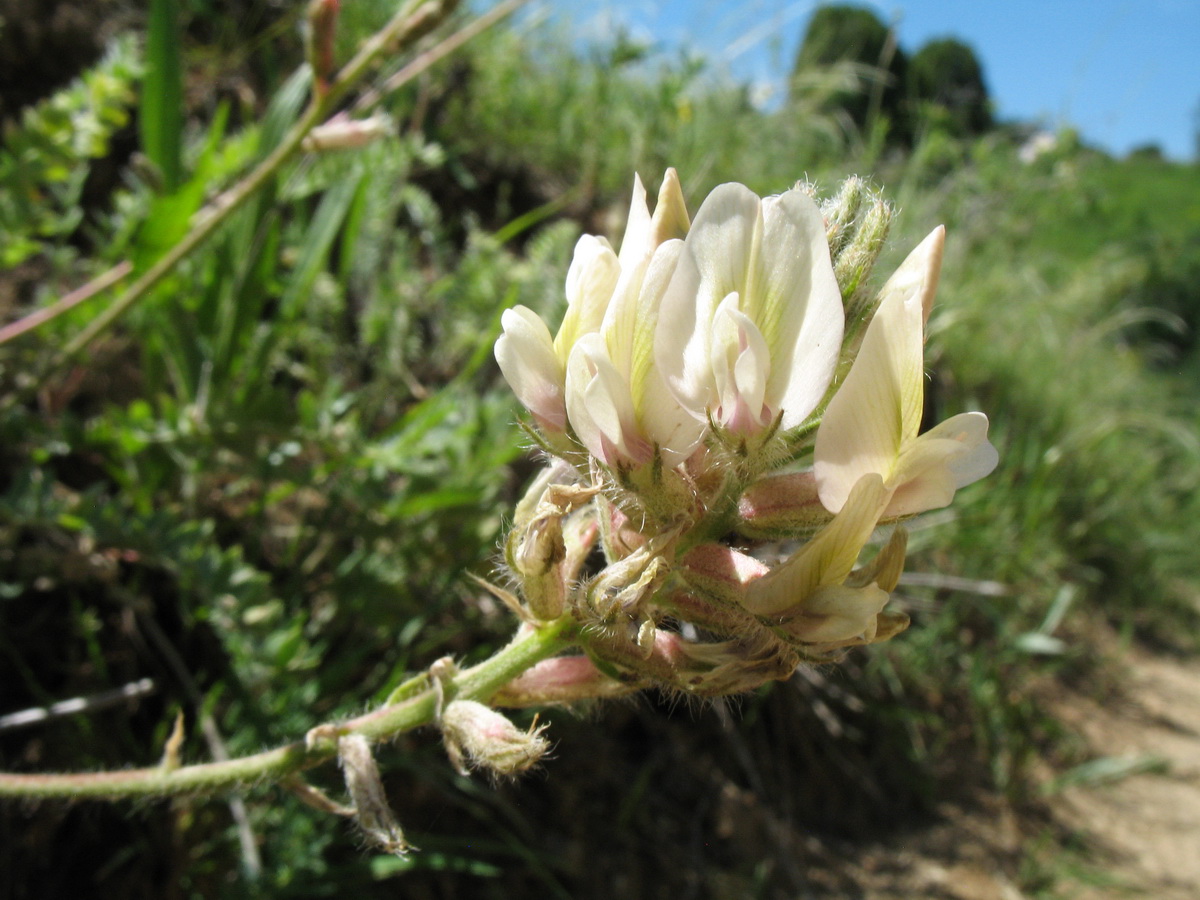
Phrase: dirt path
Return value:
(1145, 827)
(1130, 817)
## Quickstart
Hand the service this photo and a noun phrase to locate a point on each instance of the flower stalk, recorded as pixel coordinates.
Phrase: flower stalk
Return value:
(477, 683)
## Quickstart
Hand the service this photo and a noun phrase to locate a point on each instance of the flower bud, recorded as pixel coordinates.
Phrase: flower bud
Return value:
(781, 507)
(478, 737)
(857, 222)
(563, 679)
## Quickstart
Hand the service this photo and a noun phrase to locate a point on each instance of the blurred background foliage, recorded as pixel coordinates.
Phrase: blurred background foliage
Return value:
(263, 491)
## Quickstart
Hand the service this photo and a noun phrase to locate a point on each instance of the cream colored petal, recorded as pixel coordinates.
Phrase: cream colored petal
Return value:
(795, 301)
(887, 566)
(878, 407)
(918, 275)
(628, 331)
(525, 353)
(828, 558)
(837, 613)
(931, 468)
(670, 214)
(979, 458)
(645, 313)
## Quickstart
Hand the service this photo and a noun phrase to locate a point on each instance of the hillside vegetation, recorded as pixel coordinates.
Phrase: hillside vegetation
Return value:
(266, 486)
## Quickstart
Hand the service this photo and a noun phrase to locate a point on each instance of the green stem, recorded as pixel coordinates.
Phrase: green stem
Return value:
(479, 682)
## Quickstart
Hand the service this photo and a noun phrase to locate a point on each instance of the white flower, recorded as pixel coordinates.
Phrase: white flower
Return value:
(533, 363)
(751, 324)
(871, 424)
(617, 403)
(608, 314)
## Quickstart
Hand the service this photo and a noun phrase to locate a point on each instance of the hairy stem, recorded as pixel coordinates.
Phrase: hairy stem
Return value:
(479, 682)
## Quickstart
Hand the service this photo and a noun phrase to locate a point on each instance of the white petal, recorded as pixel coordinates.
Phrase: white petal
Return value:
(675, 431)
(590, 283)
(723, 242)
(636, 243)
(600, 407)
(740, 366)
(664, 422)
(525, 353)
(713, 264)
(646, 312)
(795, 300)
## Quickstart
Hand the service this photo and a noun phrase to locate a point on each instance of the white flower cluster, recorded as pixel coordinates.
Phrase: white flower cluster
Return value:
(718, 382)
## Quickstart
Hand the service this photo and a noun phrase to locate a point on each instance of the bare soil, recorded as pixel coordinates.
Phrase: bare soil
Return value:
(1145, 827)
(1126, 825)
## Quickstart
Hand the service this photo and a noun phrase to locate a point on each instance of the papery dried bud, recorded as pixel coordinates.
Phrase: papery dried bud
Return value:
(478, 737)
(343, 133)
(371, 809)
(623, 586)
(537, 559)
(544, 557)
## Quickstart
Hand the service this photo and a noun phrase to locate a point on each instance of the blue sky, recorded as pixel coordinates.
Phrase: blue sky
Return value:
(1125, 72)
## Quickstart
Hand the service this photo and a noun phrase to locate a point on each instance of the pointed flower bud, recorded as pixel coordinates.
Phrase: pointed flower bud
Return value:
(563, 679)
(751, 324)
(478, 737)
(781, 506)
(871, 423)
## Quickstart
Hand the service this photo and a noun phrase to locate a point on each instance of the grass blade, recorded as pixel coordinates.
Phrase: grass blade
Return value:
(161, 112)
